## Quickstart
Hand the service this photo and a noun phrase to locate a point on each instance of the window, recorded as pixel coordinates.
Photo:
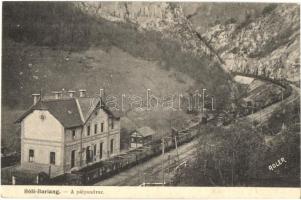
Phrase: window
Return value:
(112, 146)
(52, 158)
(100, 150)
(73, 134)
(95, 128)
(112, 124)
(102, 125)
(88, 130)
(31, 155)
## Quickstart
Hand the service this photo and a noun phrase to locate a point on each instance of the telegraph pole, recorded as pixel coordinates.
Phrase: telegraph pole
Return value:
(252, 115)
(144, 179)
(204, 100)
(232, 169)
(163, 151)
(281, 86)
(176, 143)
(212, 100)
(281, 94)
(260, 104)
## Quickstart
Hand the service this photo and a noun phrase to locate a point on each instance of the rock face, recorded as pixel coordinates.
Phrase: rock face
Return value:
(167, 18)
(267, 45)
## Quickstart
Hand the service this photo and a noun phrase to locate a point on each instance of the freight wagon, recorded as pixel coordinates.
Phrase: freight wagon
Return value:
(112, 166)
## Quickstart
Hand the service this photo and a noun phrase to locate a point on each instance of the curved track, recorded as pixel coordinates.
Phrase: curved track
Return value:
(264, 114)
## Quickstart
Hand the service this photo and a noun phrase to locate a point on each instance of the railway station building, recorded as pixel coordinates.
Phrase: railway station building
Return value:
(66, 132)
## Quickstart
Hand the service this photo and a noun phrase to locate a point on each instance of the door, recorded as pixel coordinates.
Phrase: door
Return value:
(100, 150)
(72, 158)
(88, 155)
(112, 146)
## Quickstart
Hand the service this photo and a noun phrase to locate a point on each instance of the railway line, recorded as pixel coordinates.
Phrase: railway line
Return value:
(265, 113)
(153, 168)
(133, 176)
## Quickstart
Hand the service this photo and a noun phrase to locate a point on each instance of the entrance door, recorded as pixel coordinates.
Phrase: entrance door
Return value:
(72, 158)
(88, 155)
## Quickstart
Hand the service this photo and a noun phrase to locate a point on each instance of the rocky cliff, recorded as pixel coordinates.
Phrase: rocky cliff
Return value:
(166, 18)
(266, 45)
(259, 39)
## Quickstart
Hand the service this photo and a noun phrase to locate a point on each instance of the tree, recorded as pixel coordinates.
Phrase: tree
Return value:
(225, 157)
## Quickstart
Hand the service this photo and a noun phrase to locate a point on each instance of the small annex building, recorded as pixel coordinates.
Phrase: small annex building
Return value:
(141, 137)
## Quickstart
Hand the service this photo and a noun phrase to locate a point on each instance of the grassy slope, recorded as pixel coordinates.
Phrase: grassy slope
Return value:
(115, 70)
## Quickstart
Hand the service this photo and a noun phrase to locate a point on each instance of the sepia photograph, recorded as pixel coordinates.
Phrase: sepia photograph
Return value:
(150, 94)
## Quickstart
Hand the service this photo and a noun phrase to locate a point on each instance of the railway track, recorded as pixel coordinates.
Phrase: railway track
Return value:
(153, 168)
(264, 114)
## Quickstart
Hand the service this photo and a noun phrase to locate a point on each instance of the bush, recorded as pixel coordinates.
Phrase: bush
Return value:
(287, 114)
(269, 8)
(231, 21)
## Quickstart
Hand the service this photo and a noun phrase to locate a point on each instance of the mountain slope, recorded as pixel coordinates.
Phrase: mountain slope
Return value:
(66, 27)
(60, 45)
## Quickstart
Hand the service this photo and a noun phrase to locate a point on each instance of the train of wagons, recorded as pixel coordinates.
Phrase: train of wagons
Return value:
(104, 169)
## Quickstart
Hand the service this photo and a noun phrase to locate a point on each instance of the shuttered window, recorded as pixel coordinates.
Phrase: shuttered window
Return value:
(95, 128)
(88, 130)
(112, 124)
(73, 134)
(102, 126)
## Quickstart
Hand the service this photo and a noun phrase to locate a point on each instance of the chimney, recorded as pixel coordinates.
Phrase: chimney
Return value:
(71, 93)
(82, 93)
(57, 94)
(36, 98)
